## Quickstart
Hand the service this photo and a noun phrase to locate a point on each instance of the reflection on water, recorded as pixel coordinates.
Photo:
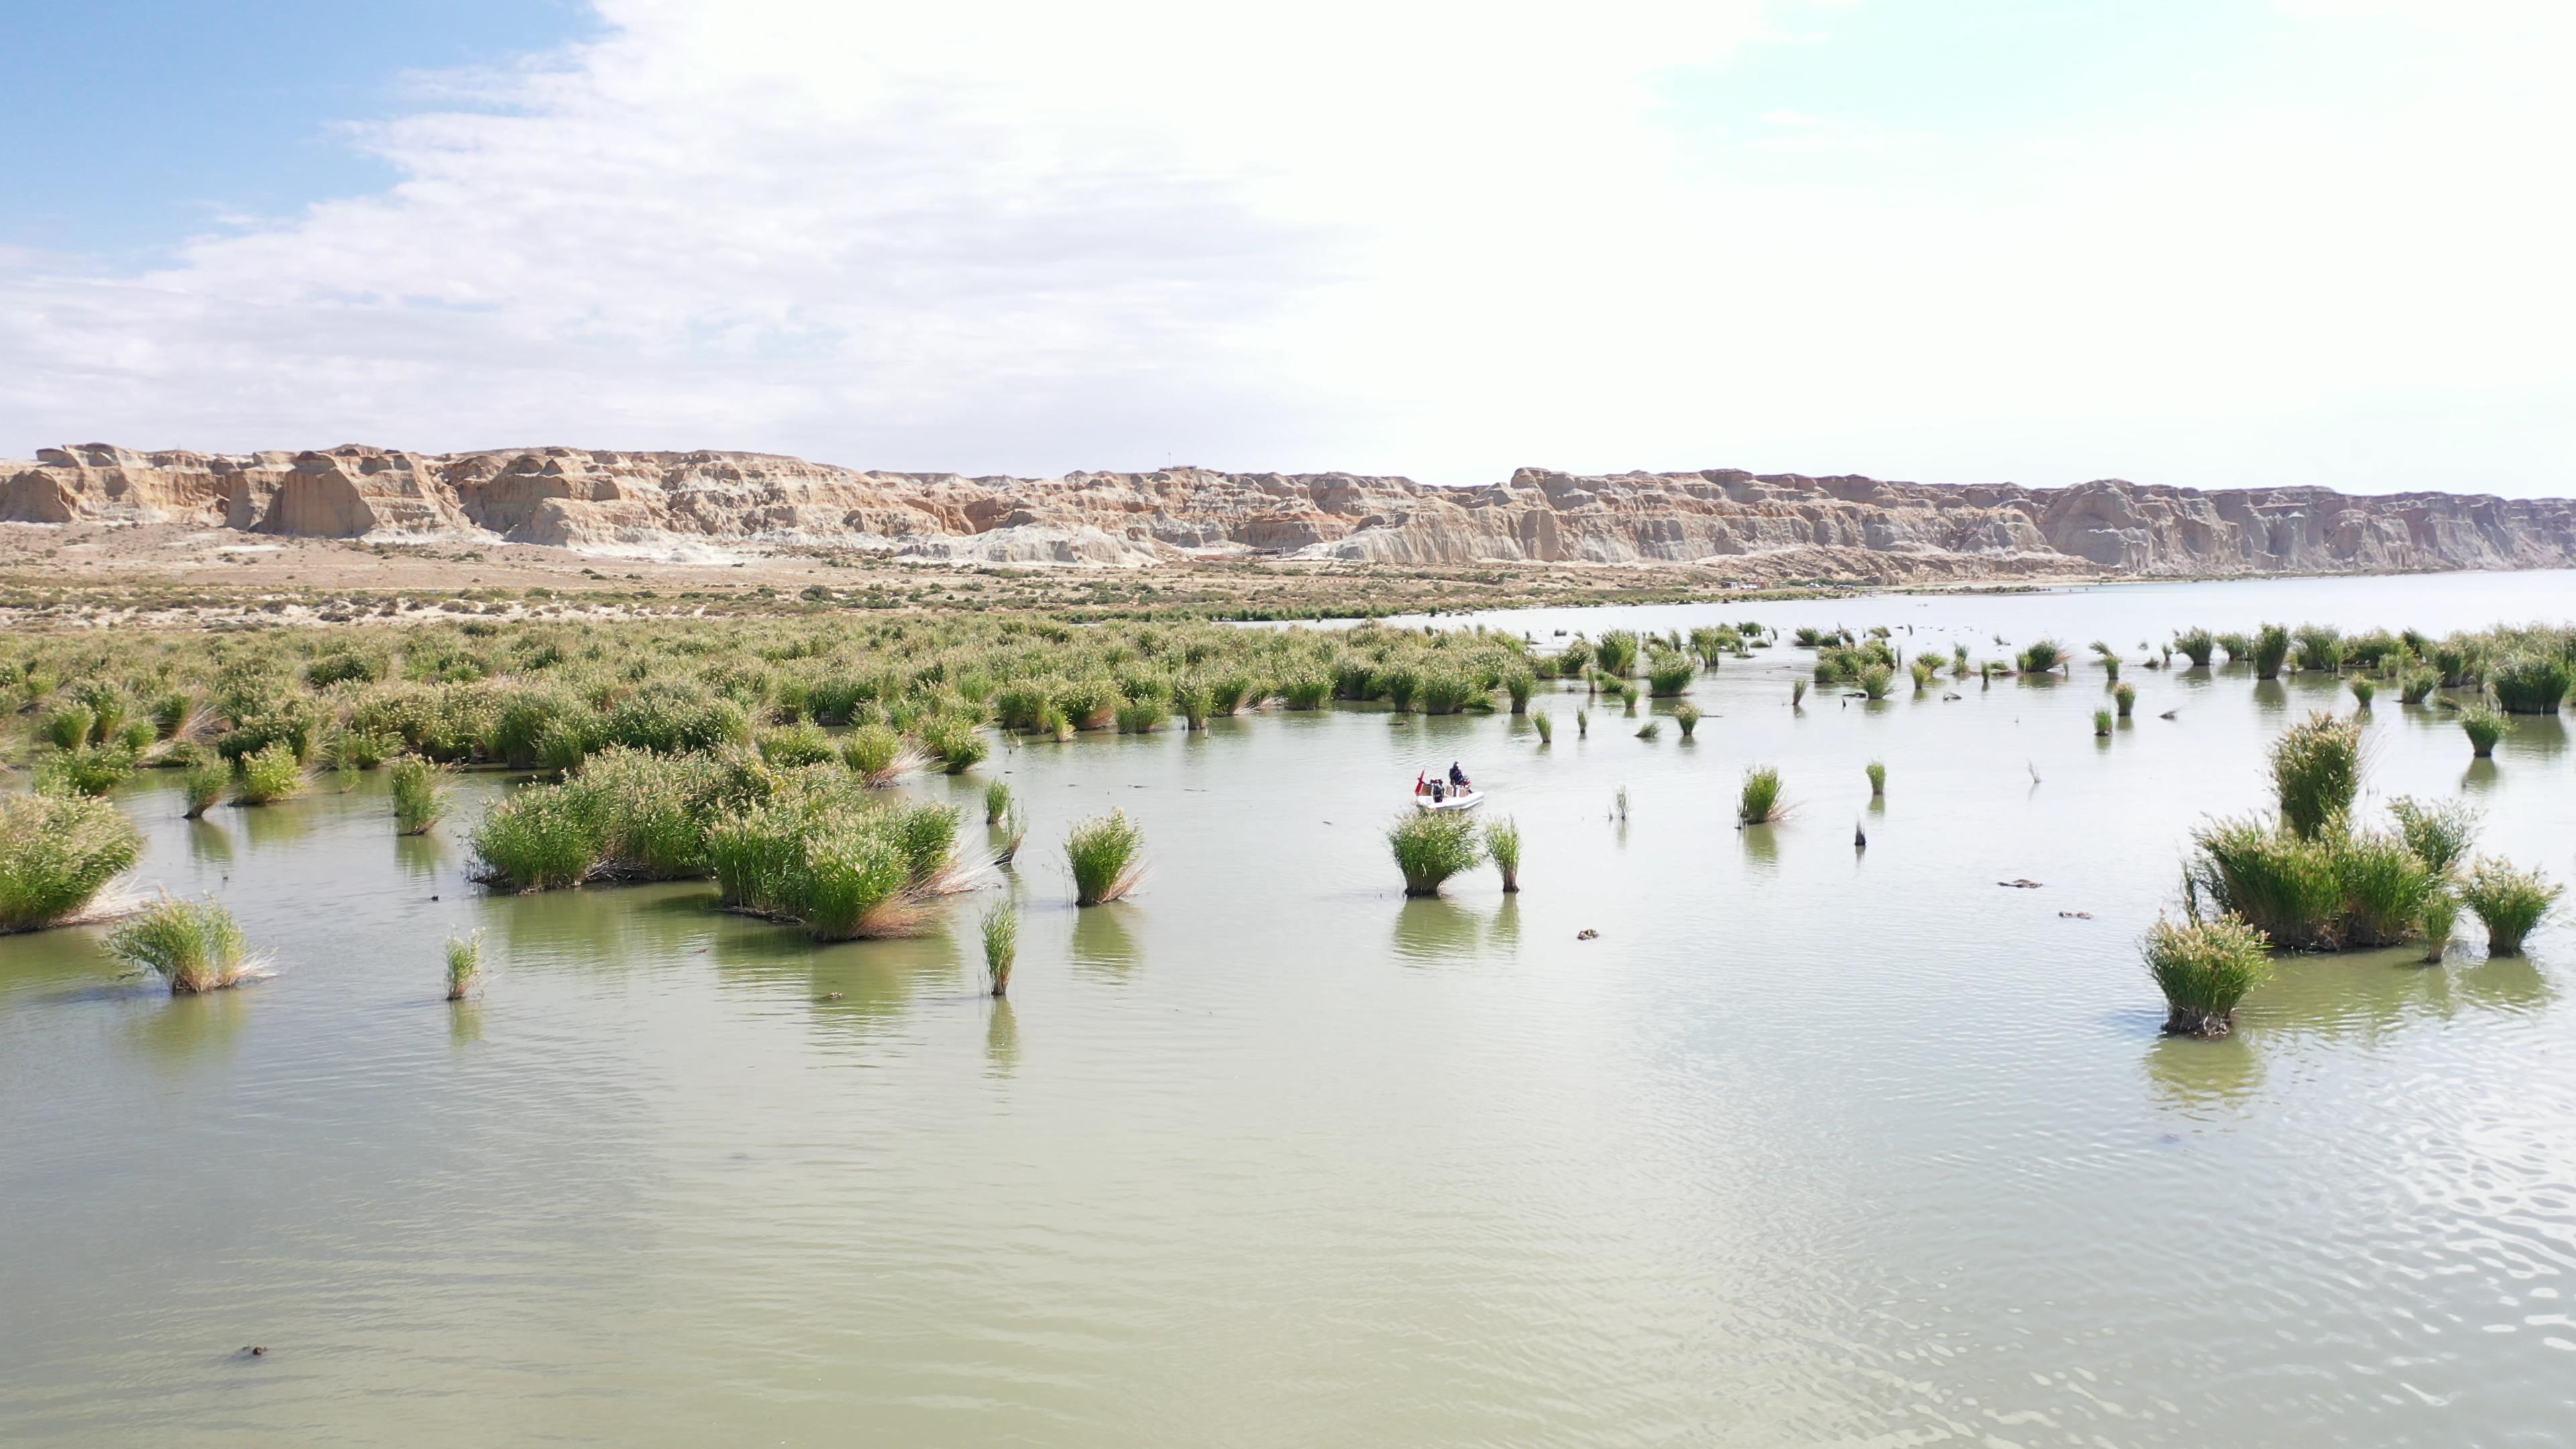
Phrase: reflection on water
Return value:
(1102, 943)
(2271, 696)
(180, 1033)
(422, 858)
(208, 844)
(2371, 993)
(1001, 1038)
(2480, 777)
(1761, 843)
(269, 827)
(2189, 1074)
(2535, 737)
(464, 1023)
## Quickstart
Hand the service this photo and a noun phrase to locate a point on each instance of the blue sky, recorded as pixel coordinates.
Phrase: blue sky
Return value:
(2203, 242)
(141, 122)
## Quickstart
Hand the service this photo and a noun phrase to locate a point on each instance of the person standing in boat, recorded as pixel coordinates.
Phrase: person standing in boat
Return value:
(1457, 779)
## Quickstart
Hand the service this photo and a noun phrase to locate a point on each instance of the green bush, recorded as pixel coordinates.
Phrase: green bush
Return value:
(194, 945)
(2282, 884)
(2316, 773)
(1430, 846)
(2530, 683)
(1103, 853)
(2204, 968)
(57, 852)
(2484, 726)
(1758, 799)
(2439, 834)
(538, 837)
(2196, 645)
(2510, 901)
(267, 776)
(2271, 651)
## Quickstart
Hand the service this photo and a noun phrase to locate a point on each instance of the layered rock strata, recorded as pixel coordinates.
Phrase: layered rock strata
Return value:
(1770, 525)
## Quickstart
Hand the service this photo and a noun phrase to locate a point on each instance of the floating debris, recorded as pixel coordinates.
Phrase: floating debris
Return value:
(2024, 884)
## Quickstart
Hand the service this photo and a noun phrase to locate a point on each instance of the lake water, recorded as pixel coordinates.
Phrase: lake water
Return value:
(1810, 1146)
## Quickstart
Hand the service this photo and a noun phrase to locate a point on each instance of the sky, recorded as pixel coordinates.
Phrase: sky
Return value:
(2210, 243)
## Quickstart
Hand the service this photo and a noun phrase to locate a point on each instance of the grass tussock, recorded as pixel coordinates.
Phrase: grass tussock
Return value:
(57, 852)
(2204, 968)
(2102, 724)
(1758, 799)
(1687, 719)
(420, 795)
(201, 785)
(2511, 902)
(2316, 772)
(2440, 919)
(268, 775)
(1105, 854)
(2485, 726)
(1877, 772)
(1001, 926)
(1503, 846)
(2440, 833)
(196, 946)
(464, 964)
(1430, 846)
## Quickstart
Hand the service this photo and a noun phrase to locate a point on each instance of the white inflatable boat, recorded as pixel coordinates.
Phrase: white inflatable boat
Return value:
(1468, 801)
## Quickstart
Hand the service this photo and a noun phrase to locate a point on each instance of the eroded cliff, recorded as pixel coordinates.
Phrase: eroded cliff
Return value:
(1768, 526)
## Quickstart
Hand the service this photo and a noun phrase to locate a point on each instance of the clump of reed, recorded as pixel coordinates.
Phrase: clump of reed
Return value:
(88, 770)
(1520, 683)
(538, 838)
(2529, 683)
(2384, 886)
(2320, 648)
(2439, 834)
(1877, 772)
(1797, 693)
(2363, 691)
(57, 852)
(1668, 674)
(2125, 698)
(464, 964)
(2204, 968)
(2196, 645)
(2271, 646)
(2239, 647)
(1503, 846)
(2041, 657)
(1926, 670)
(2484, 725)
(2101, 724)
(267, 775)
(2284, 885)
(2110, 658)
(196, 946)
(1686, 718)
(2316, 772)
(2510, 901)
(997, 801)
(1001, 926)
(1876, 680)
(2441, 916)
(201, 784)
(2417, 685)
(958, 744)
(1652, 729)
(1758, 799)
(1014, 830)
(796, 745)
(1430, 846)
(1105, 855)
(875, 753)
(1582, 724)
(841, 867)
(1546, 728)
(420, 795)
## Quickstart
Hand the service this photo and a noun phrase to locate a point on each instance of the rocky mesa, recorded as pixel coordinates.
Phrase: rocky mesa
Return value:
(1738, 524)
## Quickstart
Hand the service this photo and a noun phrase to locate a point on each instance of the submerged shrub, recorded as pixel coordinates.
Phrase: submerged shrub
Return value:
(1669, 674)
(202, 784)
(2512, 903)
(2316, 772)
(2280, 883)
(1757, 800)
(2042, 656)
(89, 770)
(2126, 698)
(420, 795)
(2204, 968)
(1877, 772)
(1503, 843)
(1103, 853)
(2271, 651)
(1687, 717)
(2319, 648)
(2239, 648)
(2530, 683)
(57, 852)
(2484, 726)
(1876, 680)
(2384, 888)
(2101, 724)
(2363, 691)
(1432, 845)
(1546, 727)
(194, 945)
(1001, 946)
(2196, 645)
(957, 743)
(267, 776)
(2440, 917)
(2418, 685)
(538, 837)
(2439, 834)
(464, 964)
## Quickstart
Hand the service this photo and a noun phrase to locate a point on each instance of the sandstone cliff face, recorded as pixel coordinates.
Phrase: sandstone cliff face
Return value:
(1770, 526)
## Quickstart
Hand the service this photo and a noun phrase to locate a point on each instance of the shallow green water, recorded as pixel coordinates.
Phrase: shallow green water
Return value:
(1809, 1146)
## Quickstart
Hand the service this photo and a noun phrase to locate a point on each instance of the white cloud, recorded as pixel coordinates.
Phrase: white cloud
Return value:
(1433, 239)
